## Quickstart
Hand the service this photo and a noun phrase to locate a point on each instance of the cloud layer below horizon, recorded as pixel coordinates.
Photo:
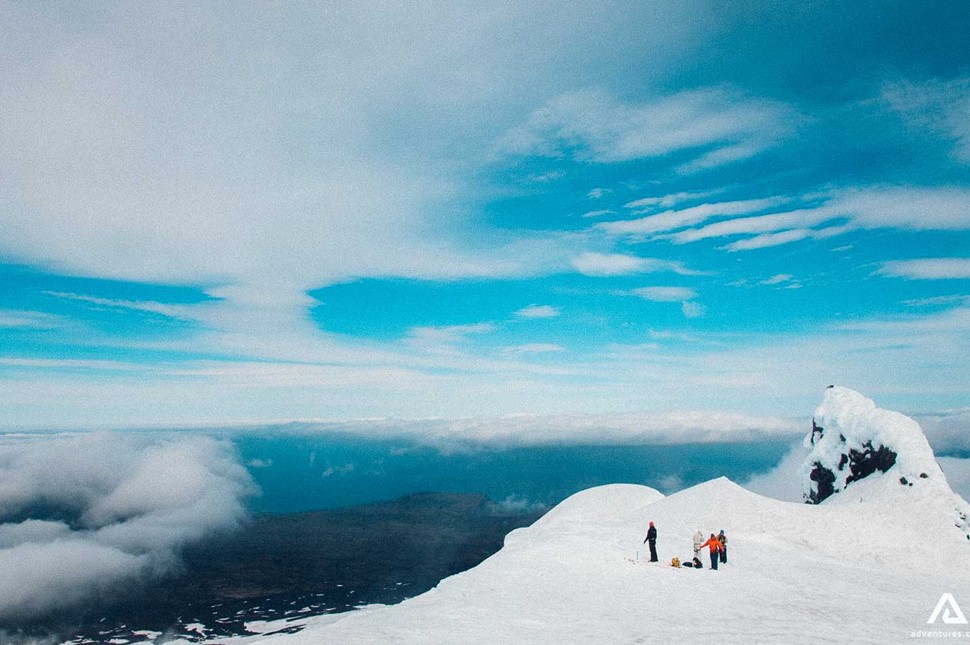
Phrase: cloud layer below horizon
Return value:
(82, 518)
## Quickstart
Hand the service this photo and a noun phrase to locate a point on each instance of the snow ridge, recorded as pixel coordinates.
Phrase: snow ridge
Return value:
(867, 565)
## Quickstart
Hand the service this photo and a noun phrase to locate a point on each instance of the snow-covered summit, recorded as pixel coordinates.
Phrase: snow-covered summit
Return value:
(852, 440)
(860, 452)
(867, 566)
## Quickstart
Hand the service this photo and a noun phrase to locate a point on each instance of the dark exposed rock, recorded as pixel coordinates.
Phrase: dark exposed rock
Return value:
(824, 484)
(867, 461)
(861, 463)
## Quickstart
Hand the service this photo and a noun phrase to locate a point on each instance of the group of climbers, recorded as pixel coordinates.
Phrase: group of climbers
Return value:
(716, 544)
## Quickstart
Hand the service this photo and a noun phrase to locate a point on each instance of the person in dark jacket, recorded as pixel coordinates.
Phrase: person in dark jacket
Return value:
(652, 539)
(723, 540)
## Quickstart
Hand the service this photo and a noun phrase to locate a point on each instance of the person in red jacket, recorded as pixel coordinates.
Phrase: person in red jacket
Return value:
(715, 546)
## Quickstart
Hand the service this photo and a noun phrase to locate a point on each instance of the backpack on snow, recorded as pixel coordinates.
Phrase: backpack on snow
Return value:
(675, 562)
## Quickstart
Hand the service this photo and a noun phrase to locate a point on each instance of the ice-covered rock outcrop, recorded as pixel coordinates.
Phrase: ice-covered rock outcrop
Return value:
(877, 452)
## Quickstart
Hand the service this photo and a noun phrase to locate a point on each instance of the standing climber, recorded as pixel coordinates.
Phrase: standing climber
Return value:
(723, 540)
(698, 545)
(715, 546)
(652, 539)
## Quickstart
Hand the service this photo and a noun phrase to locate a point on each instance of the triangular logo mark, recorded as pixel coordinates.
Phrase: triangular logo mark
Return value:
(952, 615)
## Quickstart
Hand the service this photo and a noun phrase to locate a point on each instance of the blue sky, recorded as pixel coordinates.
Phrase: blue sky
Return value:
(220, 214)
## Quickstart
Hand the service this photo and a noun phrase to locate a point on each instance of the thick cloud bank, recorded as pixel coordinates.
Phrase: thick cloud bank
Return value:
(83, 517)
(647, 428)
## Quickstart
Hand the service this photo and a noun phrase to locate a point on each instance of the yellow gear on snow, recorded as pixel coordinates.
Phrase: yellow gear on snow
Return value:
(675, 562)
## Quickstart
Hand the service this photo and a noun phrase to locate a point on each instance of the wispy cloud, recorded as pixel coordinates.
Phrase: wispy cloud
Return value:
(599, 213)
(664, 294)
(748, 225)
(675, 219)
(446, 334)
(684, 295)
(723, 124)
(692, 309)
(537, 311)
(612, 264)
(668, 201)
(937, 301)
(928, 269)
(938, 208)
(75, 364)
(777, 279)
(163, 309)
(941, 108)
(14, 319)
(534, 348)
(841, 211)
(768, 240)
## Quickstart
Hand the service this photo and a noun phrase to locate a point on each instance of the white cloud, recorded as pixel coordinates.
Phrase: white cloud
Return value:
(534, 348)
(516, 504)
(163, 309)
(934, 301)
(611, 264)
(538, 311)
(939, 107)
(594, 126)
(641, 428)
(446, 334)
(74, 364)
(546, 177)
(784, 481)
(768, 240)
(13, 319)
(599, 213)
(675, 219)
(777, 279)
(665, 294)
(126, 506)
(928, 269)
(948, 431)
(345, 469)
(597, 193)
(941, 208)
(669, 201)
(119, 164)
(934, 208)
(758, 224)
(693, 309)
(957, 472)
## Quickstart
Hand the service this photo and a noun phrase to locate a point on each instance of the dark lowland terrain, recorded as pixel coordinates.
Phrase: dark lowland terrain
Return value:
(282, 566)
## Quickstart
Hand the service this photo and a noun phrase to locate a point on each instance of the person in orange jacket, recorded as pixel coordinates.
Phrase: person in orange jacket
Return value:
(715, 546)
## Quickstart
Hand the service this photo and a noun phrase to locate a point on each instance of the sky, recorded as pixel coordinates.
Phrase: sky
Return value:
(248, 213)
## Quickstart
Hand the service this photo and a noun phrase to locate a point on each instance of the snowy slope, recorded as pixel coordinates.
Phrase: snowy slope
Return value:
(866, 566)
